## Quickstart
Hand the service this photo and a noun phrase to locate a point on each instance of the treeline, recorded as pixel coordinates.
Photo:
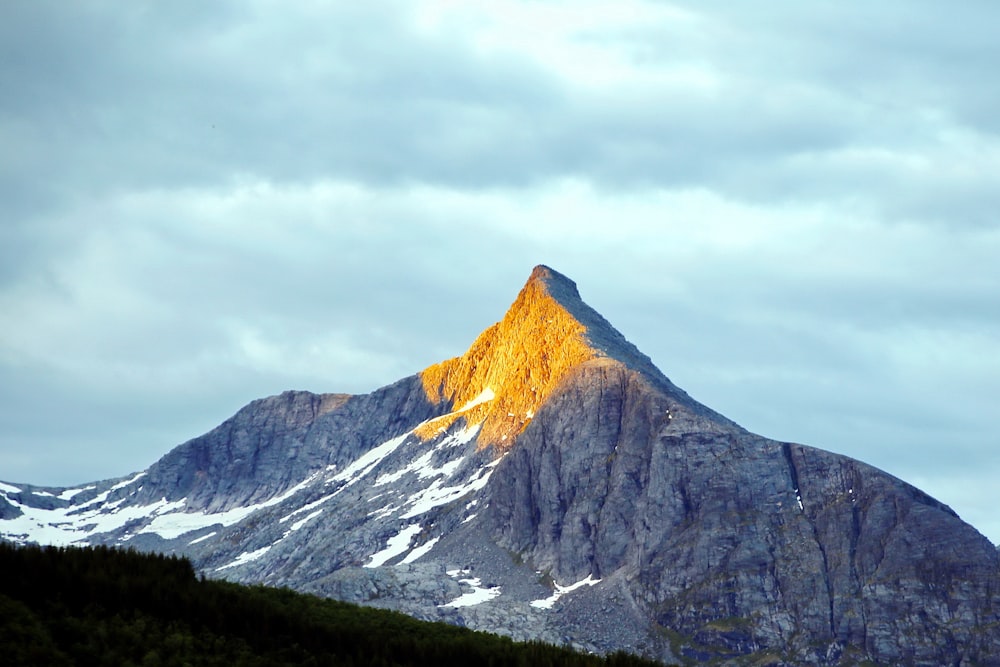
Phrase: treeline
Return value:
(105, 606)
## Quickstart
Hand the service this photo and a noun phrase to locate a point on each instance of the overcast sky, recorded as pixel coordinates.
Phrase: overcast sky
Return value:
(793, 208)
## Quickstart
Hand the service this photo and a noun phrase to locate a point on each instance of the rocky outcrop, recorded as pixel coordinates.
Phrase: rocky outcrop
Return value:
(521, 360)
(741, 545)
(551, 483)
(274, 443)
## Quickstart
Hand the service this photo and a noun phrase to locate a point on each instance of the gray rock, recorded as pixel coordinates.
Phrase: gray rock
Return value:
(621, 514)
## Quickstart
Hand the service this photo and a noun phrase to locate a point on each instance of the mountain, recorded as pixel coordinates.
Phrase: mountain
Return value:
(552, 484)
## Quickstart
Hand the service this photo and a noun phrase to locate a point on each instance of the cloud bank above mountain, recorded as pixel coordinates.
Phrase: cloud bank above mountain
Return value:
(791, 209)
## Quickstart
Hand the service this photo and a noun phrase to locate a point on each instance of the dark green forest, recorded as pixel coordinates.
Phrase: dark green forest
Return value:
(114, 607)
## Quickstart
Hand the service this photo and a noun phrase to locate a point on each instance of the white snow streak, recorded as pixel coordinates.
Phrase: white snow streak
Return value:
(69, 493)
(484, 396)
(305, 508)
(122, 485)
(478, 595)
(463, 437)
(423, 466)
(365, 463)
(395, 545)
(169, 526)
(73, 525)
(245, 558)
(546, 603)
(301, 522)
(384, 511)
(420, 551)
(63, 526)
(434, 495)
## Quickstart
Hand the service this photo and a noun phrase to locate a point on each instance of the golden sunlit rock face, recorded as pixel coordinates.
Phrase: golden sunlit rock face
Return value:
(513, 366)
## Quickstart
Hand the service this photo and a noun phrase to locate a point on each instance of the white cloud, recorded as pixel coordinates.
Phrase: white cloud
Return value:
(792, 210)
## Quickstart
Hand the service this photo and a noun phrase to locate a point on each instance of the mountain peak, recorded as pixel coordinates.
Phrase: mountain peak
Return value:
(696, 540)
(601, 336)
(556, 284)
(515, 364)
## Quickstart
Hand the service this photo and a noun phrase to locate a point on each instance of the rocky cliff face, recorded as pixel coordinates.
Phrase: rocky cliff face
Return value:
(740, 544)
(551, 483)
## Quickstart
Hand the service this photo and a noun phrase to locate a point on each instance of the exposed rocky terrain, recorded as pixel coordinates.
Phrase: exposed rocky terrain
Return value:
(551, 483)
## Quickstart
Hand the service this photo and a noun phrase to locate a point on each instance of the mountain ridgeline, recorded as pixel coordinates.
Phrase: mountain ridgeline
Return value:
(551, 484)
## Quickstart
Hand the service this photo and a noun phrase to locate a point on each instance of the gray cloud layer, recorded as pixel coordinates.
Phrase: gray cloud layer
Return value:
(791, 208)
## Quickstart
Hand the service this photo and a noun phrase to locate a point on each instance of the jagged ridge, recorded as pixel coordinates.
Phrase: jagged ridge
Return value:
(516, 364)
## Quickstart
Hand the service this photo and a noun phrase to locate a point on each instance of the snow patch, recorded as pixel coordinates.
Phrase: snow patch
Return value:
(463, 437)
(305, 508)
(245, 558)
(202, 538)
(478, 595)
(365, 463)
(420, 551)
(301, 522)
(495, 462)
(424, 467)
(435, 494)
(384, 511)
(63, 526)
(547, 603)
(122, 485)
(173, 525)
(395, 545)
(484, 396)
(69, 493)
(107, 507)
(8, 488)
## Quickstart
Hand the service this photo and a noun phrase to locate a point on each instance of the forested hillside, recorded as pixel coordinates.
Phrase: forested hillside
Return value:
(105, 606)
